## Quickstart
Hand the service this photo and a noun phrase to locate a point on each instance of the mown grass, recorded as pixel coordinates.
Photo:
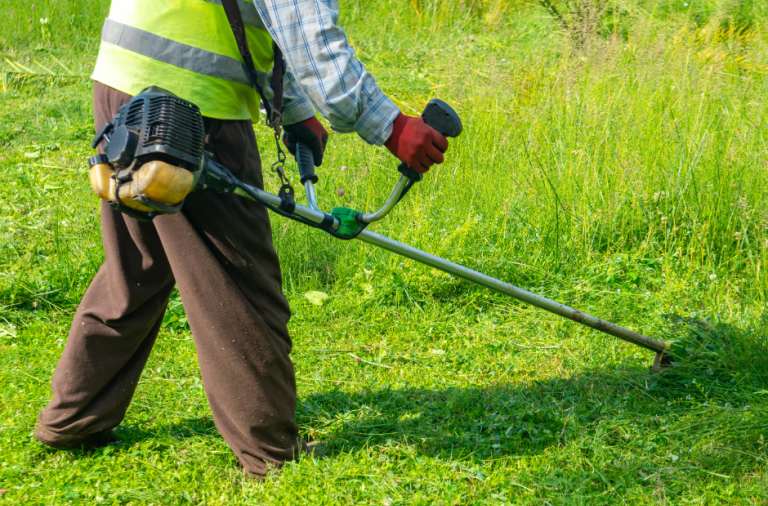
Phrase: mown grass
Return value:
(621, 174)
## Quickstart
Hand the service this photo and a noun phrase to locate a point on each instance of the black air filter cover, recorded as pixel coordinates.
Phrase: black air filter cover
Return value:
(168, 128)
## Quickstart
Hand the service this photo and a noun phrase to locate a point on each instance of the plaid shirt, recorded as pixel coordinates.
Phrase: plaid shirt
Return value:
(323, 71)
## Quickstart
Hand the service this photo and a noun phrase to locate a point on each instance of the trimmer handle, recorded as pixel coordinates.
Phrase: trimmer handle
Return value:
(437, 114)
(306, 163)
(442, 118)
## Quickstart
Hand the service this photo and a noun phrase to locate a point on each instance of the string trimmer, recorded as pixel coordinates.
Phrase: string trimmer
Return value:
(155, 156)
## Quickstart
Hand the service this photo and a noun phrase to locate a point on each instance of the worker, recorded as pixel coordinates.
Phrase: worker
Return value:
(218, 250)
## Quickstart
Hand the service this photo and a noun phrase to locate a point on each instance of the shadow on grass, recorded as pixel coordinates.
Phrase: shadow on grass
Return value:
(495, 420)
(594, 409)
(499, 419)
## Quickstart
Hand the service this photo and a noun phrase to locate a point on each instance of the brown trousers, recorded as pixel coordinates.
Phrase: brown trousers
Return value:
(219, 252)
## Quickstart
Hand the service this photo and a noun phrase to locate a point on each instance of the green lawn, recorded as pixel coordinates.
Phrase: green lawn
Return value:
(621, 172)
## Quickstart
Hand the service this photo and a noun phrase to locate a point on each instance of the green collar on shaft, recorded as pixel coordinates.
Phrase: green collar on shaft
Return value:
(347, 219)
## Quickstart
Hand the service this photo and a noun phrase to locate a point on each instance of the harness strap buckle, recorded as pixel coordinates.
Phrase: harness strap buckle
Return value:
(287, 202)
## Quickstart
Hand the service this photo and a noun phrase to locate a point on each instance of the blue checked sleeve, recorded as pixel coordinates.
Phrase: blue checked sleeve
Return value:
(323, 70)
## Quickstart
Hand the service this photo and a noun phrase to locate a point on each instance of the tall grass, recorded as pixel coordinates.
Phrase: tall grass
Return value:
(649, 146)
(652, 147)
(43, 24)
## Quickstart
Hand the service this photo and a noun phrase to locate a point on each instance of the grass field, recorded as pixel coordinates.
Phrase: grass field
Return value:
(613, 159)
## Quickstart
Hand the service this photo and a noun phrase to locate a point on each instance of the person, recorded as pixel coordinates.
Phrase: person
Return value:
(218, 250)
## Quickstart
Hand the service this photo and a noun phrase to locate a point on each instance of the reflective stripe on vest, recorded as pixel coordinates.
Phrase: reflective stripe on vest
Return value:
(174, 53)
(186, 47)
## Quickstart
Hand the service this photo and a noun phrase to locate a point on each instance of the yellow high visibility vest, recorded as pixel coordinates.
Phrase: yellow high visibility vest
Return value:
(186, 47)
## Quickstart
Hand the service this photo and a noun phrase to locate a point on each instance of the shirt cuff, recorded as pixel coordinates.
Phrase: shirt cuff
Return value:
(297, 110)
(374, 125)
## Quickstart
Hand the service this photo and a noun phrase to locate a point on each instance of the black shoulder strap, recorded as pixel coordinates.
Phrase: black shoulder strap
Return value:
(276, 82)
(274, 111)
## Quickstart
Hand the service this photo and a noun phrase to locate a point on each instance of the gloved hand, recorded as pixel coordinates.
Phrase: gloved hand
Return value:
(311, 133)
(416, 143)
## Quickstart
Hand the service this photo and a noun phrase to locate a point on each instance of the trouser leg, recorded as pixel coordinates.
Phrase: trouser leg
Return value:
(110, 339)
(115, 324)
(229, 279)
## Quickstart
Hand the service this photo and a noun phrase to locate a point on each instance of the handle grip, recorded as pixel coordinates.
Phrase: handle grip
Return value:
(442, 118)
(306, 163)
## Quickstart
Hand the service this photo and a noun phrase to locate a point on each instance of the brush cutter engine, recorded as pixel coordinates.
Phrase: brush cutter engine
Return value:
(154, 155)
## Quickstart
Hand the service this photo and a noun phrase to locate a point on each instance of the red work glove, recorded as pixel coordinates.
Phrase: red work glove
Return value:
(416, 143)
(311, 133)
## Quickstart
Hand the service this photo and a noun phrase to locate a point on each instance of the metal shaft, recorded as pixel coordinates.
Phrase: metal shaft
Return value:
(475, 277)
(309, 191)
(261, 196)
(513, 291)
(393, 199)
